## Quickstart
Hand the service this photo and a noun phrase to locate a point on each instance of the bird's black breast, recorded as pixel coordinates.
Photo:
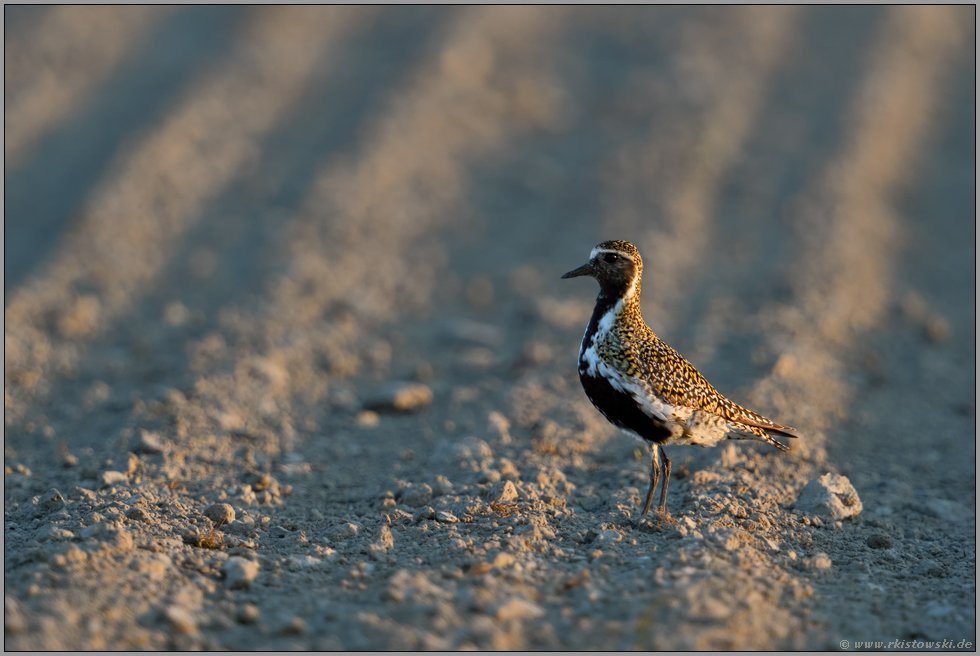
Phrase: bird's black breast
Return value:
(621, 410)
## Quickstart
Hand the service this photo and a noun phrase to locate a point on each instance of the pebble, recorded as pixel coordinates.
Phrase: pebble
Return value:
(368, 419)
(606, 537)
(112, 477)
(156, 565)
(343, 532)
(244, 527)
(149, 442)
(446, 517)
(400, 397)
(498, 424)
(239, 572)
(937, 329)
(417, 496)
(819, 561)
(296, 627)
(54, 532)
(110, 534)
(248, 614)
(830, 497)
(139, 515)
(508, 493)
(516, 608)
(51, 501)
(180, 619)
(489, 476)
(503, 560)
(220, 513)
(442, 486)
(299, 563)
(880, 541)
(80, 493)
(424, 514)
(259, 482)
(508, 470)
(472, 448)
(130, 465)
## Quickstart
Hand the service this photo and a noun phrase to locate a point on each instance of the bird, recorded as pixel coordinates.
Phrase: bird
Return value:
(643, 386)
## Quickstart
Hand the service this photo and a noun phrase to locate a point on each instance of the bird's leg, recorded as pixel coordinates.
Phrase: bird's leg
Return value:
(654, 477)
(663, 490)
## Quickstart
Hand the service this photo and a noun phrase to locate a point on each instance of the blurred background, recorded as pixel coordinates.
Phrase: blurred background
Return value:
(276, 209)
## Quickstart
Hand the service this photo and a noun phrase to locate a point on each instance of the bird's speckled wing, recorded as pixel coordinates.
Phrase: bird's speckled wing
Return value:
(675, 380)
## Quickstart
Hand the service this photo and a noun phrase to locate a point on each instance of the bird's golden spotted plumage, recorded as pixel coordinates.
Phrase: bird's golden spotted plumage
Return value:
(641, 384)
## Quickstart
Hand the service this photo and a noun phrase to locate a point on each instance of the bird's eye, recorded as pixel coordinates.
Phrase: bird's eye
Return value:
(610, 257)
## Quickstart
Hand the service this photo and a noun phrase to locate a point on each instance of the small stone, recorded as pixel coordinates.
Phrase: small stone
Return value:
(130, 464)
(819, 561)
(368, 419)
(937, 329)
(503, 560)
(149, 443)
(830, 497)
(80, 493)
(400, 397)
(112, 477)
(51, 501)
(139, 515)
(296, 627)
(180, 620)
(424, 513)
(880, 541)
(608, 537)
(300, 563)
(55, 533)
(112, 535)
(417, 496)
(239, 572)
(220, 513)
(248, 614)
(499, 425)
(517, 608)
(508, 470)
(155, 565)
(446, 517)
(343, 532)
(489, 476)
(470, 448)
(244, 527)
(442, 486)
(259, 482)
(508, 492)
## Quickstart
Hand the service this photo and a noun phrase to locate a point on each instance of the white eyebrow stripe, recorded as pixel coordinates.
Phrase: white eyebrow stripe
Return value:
(596, 251)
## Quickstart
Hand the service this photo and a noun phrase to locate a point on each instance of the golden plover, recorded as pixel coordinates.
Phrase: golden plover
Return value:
(643, 386)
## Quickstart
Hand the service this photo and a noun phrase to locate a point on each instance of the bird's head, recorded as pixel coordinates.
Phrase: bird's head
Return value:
(616, 265)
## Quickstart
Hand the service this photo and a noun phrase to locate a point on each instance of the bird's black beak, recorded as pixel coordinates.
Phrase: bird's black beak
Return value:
(584, 270)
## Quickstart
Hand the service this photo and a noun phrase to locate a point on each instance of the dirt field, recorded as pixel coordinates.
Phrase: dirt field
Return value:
(305, 263)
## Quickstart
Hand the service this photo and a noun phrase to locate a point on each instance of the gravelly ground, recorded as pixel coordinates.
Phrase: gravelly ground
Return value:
(233, 235)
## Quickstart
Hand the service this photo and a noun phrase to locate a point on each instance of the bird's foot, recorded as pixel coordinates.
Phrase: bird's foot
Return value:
(654, 522)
